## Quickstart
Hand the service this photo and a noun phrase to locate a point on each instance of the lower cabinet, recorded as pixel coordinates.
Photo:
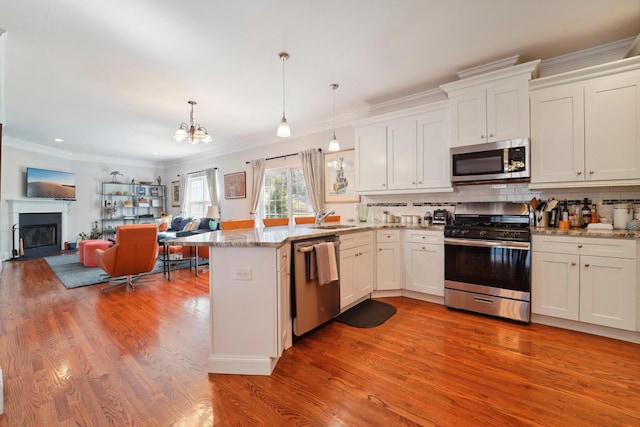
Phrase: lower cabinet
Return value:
(285, 337)
(590, 280)
(389, 268)
(356, 267)
(424, 261)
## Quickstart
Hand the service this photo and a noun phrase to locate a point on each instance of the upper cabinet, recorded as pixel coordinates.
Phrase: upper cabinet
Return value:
(491, 107)
(404, 155)
(585, 127)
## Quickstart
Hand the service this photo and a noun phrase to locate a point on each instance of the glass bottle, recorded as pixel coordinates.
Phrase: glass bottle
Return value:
(586, 213)
(565, 211)
(594, 214)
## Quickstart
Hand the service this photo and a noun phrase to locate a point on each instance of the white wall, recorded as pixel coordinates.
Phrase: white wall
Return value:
(89, 174)
(236, 162)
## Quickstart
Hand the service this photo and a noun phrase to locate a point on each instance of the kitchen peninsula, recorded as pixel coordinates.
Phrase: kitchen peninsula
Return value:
(249, 276)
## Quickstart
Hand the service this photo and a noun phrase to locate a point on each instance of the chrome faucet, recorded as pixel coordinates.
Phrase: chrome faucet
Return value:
(322, 214)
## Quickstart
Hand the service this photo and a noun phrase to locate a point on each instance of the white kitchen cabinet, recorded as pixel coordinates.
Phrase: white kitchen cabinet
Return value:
(585, 127)
(356, 267)
(389, 267)
(424, 261)
(592, 280)
(371, 158)
(416, 156)
(491, 107)
(285, 337)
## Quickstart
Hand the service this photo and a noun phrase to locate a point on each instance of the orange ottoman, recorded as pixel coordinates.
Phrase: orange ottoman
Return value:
(88, 251)
(81, 244)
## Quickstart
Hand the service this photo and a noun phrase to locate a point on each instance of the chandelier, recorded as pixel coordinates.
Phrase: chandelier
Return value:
(193, 133)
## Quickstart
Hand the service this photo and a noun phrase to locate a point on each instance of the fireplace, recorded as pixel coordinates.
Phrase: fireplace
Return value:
(40, 233)
(39, 208)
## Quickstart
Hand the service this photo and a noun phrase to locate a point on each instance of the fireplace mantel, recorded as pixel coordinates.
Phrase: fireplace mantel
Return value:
(18, 206)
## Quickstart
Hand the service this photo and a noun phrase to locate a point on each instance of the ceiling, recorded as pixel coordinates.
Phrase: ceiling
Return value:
(112, 78)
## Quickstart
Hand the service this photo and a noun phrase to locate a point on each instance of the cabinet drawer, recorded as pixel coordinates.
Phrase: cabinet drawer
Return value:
(351, 240)
(391, 236)
(424, 236)
(614, 248)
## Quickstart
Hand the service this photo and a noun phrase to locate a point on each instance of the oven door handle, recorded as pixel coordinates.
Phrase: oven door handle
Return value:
(488, 243)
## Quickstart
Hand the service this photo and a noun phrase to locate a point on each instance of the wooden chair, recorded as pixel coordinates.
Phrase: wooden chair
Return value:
(135, 252)
(271, 222)
(237, 223)
(312, 219)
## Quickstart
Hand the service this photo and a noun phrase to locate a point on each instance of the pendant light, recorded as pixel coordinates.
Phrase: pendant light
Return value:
(283, 129)
(334, 145)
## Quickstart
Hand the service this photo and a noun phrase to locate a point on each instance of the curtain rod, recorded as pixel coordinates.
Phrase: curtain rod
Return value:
(203, 170)
(283, 156)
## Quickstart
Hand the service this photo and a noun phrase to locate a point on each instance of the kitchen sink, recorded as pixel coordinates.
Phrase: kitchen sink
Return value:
(332, 226)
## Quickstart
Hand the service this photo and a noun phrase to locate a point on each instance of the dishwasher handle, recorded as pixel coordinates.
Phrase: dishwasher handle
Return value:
(309, 248)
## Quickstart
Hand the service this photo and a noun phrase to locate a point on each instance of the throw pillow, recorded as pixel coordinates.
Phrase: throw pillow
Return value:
(176, 223)
(183, 224)
(204, 223)
(163, 226)
(195, 224)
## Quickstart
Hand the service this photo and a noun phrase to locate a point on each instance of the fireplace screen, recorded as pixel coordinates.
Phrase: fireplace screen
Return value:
(35, 236)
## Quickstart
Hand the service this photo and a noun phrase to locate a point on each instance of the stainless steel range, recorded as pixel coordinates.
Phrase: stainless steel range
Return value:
(488, 260)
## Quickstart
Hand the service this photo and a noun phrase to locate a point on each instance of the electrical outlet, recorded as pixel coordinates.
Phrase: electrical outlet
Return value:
(242, 274)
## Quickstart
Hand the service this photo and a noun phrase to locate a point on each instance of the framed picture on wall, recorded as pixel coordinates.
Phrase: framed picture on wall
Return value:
(339, 177)
(235, 185)
(175, 193)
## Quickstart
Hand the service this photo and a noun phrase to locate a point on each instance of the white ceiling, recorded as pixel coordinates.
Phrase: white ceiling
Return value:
(112, 78)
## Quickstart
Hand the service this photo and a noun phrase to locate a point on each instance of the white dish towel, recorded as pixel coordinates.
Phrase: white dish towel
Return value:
(326, 263)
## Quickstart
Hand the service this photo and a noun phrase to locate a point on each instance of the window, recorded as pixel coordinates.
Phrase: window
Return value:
(198, 199)
(285, 194)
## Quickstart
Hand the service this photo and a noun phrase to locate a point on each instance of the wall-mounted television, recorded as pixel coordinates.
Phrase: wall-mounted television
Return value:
(51, 184)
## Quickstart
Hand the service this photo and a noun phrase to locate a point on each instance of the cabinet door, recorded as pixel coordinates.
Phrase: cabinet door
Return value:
(347, 276)
(508, 110)
(434, 162)
(557, 134)
(401, 154)
(371, 158)
(389, 267)
(612, 128)
(555, 285)
(469, 119)
(608, 292)
(364, 270)
(424, 268)
(284, 298)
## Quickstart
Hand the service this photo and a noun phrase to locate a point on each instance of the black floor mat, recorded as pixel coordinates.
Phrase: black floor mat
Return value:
(368, 314)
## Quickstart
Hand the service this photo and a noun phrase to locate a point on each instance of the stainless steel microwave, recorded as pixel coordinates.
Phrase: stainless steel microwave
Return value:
(494, 161)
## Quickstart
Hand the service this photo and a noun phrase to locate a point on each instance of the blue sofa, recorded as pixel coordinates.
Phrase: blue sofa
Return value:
(177, 228)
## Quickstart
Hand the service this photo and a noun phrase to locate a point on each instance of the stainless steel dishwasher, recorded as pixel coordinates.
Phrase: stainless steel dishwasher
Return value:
(312, 304)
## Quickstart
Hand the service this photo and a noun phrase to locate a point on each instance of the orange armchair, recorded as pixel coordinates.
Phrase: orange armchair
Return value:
(134, 253)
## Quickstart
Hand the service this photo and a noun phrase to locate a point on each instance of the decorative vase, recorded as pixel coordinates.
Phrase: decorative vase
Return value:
(213, 224)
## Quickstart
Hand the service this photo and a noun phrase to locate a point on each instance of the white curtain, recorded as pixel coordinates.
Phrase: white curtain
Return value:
(212, 181)
(183, 194)
(313, 169)
(257, 168)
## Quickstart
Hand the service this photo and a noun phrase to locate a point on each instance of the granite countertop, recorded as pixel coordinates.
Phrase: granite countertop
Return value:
(278, 236)
(583, 232)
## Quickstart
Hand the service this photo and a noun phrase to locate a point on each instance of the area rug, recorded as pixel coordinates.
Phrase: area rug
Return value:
(368, 314)
(72, 274)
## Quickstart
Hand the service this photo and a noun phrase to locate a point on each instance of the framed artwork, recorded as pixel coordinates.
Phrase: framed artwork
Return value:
(175, 193)
(235, 185)
(339, 177)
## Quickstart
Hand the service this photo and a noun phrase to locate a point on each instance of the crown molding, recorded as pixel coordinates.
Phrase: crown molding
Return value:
(67, 155)
(527, 69)
(487, 68)
(587, 57)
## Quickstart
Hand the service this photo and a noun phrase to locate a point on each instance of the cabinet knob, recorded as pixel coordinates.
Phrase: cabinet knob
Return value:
(586, 265)
(419, 182)
(490, 135)
(481, 136)
(384, 185)
(579, 246)
(379, 249)
(424, 249)
(579, 172)
(573, 264)
(591, 172)
(413, 183)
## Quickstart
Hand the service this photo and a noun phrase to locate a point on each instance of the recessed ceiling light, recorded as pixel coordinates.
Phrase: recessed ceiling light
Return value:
(58, 140)
(155, 153)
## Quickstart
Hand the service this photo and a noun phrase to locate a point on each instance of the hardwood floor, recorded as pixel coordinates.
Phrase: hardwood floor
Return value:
(89, 358)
